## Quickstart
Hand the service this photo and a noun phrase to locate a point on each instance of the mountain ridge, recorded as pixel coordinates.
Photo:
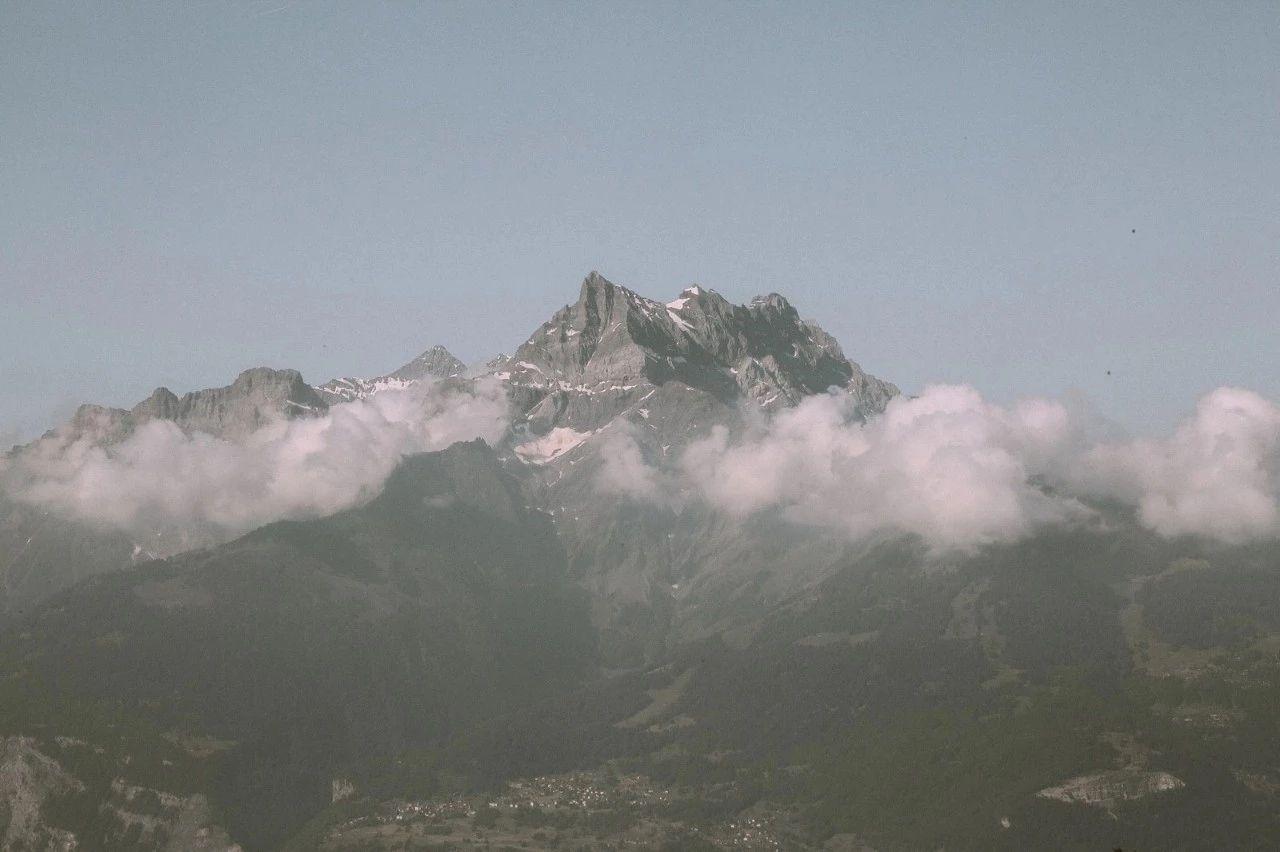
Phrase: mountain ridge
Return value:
(609, 339)
(257, 396)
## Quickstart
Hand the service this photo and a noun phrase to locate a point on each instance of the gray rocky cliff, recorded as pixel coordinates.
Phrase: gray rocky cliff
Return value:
(612, 349)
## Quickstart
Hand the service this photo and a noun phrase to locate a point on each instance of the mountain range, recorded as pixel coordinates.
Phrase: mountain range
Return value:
(546, 639)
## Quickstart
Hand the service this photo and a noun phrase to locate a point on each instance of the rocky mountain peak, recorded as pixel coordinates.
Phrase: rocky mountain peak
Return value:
(163, 404)
(436, 362)
(696, 301)
(609, 332)
(612, 333)
(613, 344)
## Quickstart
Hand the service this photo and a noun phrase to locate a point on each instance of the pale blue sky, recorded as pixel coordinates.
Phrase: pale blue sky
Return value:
(951, 189)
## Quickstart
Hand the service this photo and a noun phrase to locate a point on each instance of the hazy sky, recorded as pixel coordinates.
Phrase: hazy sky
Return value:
(1021, 196)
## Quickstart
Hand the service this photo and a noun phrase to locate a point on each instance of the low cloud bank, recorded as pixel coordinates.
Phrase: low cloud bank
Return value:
(946, 465)
(161, 478)
(1218, 475)
(961, 472)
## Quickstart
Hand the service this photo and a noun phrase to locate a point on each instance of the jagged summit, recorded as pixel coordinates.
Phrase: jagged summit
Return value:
(613, 343)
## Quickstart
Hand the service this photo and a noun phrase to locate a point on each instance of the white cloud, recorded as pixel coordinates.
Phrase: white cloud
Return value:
(624, 471)
(161, 478)
(945, 465)
(948, 466)
(1218, 475)
(960, 472)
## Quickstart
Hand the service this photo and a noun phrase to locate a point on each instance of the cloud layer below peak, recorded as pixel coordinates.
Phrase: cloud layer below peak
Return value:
(947, 465)
(961, 472)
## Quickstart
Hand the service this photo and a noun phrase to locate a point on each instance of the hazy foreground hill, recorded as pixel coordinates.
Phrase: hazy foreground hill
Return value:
(1084, 689)
(422, 662)
(306, 652)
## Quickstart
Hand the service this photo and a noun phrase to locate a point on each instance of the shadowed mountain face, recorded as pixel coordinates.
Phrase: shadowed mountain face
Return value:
(44, 552)
(1073, 685)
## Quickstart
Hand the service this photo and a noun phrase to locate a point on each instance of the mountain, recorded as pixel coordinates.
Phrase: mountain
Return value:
(663, 375)
(596, 359)
(43, 552)
(604, 355)
(612, 362)
(307, 651)
(436, 363)
(552, 641)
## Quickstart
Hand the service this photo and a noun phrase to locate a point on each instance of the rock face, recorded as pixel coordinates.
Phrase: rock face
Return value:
(129, 817)
(257, 397)
(143, 818)
(1107, 789)
(28, 778)
(436, 363)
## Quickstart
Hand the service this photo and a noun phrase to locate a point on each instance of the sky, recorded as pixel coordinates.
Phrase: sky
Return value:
(1032, 198)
